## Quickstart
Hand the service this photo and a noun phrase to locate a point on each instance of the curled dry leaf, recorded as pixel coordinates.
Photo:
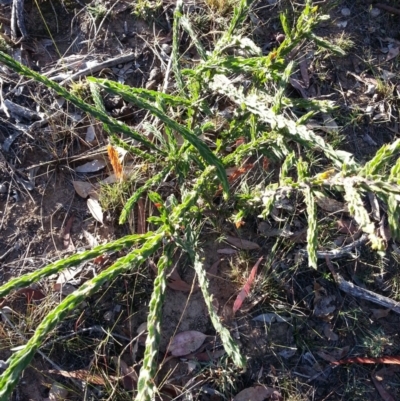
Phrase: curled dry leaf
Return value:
(83, 188)
(380, 313)
(269, 318)
(242, 243)
(91, 167)
(246, 288)
(179, 285)
(258, 393)
(31, 294)
(95, 209)
(186, 342)
(329, 334)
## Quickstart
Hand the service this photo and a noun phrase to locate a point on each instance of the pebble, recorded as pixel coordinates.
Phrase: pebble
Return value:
(345, 12)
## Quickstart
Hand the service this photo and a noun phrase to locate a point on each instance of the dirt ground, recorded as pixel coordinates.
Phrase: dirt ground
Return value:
(43, 219)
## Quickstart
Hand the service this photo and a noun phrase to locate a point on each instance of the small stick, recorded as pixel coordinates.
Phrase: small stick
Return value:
(358, 292)
(388, 8)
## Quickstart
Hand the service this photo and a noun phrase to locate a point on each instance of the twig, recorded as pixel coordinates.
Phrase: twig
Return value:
(125, 58)
(387, 8)
(340, 252)
(358, 292)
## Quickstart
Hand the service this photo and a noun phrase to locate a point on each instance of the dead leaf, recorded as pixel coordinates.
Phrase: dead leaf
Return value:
(90, 134)
(330, 123)
(330, 205)
(348, 227)
(242, 243)
(246, 289)
(258, 393)
(91, 167)
(31, 294)
(95, 209)
(326, 357)
(128, 373)
(67, 241)
(65, 289)
(358, 359)
(381, 390)
(210, 355)
(393, 52)
(114, 159)
(91, 239)
(69, 273)
(380, 313)
(186, 342)
(57, 392)
(269, 318)
(179, 285)
(83, 188)
(329, 334)
(83, 375)
(227, 251)
(304, 72)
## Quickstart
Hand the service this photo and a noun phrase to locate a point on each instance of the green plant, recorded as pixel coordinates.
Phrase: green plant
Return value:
(271, 124)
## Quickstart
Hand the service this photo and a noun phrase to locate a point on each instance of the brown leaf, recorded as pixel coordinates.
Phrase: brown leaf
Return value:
(84, 375)
(186, 342)
(83, 188)
(393, 52)
(129, 375)
(329, 334)
(246, 289)
(326, 357)
(31, 294)
(114, 159)
(379, 313)
(242, 243)
(91, 167)
(348, 227)
(95, 209)
(304, 71)
(227, 251)
(358, 359)
(330, 205)
(67, 241)
(210, 355)
(179, 285)
(258, 393)
(381, 390)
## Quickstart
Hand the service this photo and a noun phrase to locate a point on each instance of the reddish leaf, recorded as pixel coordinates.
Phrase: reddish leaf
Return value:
(381, 390)
(358, 359)
(186, 342)
(227, 251)
(246, 289)
(67, 242)
(32, 294)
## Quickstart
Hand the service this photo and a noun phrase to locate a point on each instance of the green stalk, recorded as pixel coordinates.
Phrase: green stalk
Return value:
(146, 386)
(114, 125)
(20, 360)
(74, 260)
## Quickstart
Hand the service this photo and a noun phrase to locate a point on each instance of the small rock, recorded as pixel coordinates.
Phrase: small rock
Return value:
(345, 12)
(374, 12)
